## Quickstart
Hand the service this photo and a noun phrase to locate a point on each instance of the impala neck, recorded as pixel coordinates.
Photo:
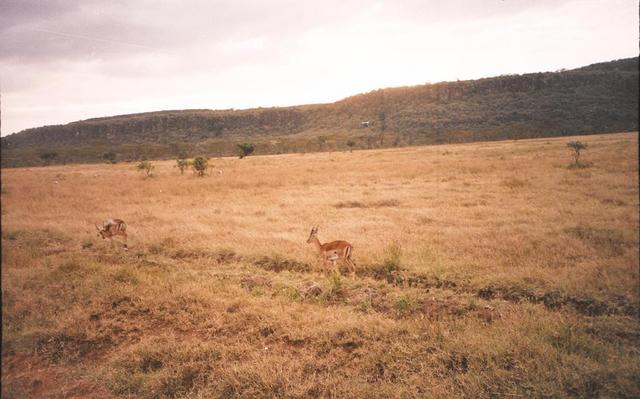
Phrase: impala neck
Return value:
(316, 243)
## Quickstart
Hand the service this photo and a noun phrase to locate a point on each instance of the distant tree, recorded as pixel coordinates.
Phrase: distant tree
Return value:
(382, 118)
(178, 150)
(396, 141)
(146, 167)
(246, 149)
(576, 147)
(48, 157)
(109, 157)
(351, 144)
(371, 141)
(200, 165)
(321, 141)
(182, 164)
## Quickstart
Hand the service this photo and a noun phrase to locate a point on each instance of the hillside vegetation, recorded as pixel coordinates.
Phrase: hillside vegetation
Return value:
(484, 270)
(598, 98)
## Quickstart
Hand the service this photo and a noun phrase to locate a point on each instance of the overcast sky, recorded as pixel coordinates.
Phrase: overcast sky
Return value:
(64, 60)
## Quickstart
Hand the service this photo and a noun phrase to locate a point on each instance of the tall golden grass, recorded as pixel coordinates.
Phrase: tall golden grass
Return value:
(487, 269)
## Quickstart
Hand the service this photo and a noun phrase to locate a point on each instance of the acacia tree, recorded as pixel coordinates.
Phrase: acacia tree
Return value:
(200, 165)
(182, 164)
(351, 144)
(48, 157)
(109, 157)
(246, 149)
(382, 118)
(321, 141)
(146, 167)
(576, 147)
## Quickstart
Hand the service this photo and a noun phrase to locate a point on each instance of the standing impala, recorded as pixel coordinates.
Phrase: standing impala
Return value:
(332, 251)
(111, 228)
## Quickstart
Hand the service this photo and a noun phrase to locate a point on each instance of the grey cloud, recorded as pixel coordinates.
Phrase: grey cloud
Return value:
(33, 31)
(115, 29)
(461, 11)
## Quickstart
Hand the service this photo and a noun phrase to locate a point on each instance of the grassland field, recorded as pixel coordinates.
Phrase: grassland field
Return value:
(483, 270)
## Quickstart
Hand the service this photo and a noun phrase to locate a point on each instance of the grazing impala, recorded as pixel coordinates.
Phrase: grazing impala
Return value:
(332, 251)
(111, 228)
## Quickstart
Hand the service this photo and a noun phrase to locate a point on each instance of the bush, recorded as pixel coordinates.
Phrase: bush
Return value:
(405, 306)
(146, 167)
(246, 149)
(576, 147)
(48, 157)
(391, 263)
(335, 290)
(200, 165)
(182, 164)
(109, 157)
(351, 144)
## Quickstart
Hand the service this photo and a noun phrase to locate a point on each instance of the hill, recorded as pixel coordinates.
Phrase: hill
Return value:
(598, 98)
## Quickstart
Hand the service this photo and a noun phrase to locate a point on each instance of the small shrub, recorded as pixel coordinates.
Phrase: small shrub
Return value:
(391, 263)
(576, 147)
(292, 293)
(351, 144)
(246, 149)
(146, 167)
(48, 157)
(109, 157)
(405, 306)
(335, 290)
(200, 165)
(182, 164)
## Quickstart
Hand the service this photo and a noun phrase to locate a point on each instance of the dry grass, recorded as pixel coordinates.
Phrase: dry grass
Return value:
(484, 270)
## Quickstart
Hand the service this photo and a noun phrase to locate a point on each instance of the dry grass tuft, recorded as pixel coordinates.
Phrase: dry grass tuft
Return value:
(514, 183)
(374, 204)
(608, 240)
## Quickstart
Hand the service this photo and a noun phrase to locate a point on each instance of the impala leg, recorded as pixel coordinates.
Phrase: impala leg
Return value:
(322, 262)
(352, 267)
(126, 248)
(335, 266)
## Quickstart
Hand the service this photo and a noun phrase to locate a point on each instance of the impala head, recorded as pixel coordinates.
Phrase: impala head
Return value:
(314, 233)
(101, 232)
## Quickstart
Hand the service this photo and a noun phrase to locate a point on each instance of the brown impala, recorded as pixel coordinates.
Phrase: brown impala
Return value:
(111, 228)
(332, 251)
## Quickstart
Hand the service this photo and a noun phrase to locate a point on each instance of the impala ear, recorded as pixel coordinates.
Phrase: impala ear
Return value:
(97, 228)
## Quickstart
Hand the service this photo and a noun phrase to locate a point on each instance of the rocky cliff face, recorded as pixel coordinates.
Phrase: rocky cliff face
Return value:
(598, 98)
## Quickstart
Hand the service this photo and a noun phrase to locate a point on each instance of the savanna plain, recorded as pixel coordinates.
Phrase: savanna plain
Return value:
(483, 270)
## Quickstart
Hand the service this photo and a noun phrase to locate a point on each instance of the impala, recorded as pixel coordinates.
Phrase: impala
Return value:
(112, 228)
(333, 251)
